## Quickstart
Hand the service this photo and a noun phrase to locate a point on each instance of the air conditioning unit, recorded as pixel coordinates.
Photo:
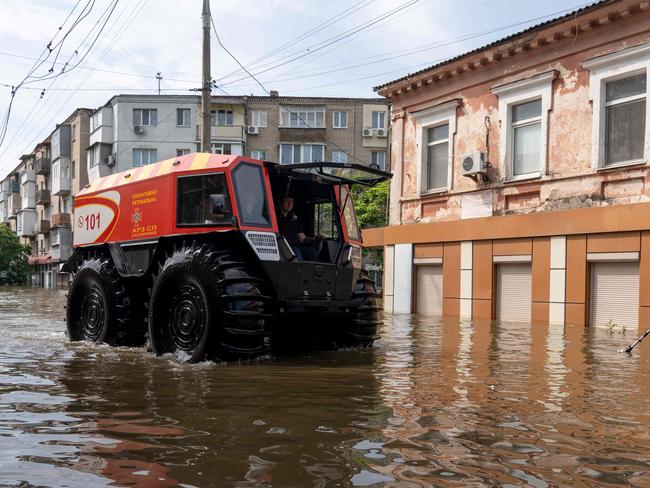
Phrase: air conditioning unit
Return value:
(138, 129)
(367, 132)
(381, 132)
(473, 163)
(110, 160)
(252, 129)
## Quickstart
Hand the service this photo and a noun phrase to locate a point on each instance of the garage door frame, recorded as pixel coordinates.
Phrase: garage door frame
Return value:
(417, 262)
(498, 262)
(609, 258)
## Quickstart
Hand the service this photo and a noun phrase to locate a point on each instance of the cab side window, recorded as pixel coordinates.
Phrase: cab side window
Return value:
(325, 220)
(203, 200)
(251, 195)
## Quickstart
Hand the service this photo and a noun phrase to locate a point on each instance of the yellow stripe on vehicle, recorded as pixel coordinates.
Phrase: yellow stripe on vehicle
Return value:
(200, 161)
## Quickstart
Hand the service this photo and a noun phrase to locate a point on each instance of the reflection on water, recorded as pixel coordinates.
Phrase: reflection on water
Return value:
(435, 403)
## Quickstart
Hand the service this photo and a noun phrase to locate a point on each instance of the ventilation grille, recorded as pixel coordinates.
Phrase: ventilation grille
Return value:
(264, 244)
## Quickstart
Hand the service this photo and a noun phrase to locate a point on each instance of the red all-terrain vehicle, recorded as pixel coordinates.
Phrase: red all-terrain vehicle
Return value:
(191, 252)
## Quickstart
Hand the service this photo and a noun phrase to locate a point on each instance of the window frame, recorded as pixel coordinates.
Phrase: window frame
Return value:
(180, 110)
(256, 116)
(149, 150)
(213, 145)
(373, 154)
(444, 113)
(182, 151)
(381, 114)
(142, 111)
(287, 113)
(515, 93)
(301, 146)
(336, 114)
(178, 199)
(238, 201)
(605, 69)
(263, 151)
(339, 153)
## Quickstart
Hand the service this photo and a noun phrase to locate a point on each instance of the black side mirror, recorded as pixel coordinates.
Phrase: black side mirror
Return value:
(218, 203)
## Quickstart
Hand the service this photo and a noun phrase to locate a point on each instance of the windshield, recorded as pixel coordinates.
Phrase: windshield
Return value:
(348, 214)
(334, 173)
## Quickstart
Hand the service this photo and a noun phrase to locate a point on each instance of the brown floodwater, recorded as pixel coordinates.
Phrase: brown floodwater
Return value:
(454, 403)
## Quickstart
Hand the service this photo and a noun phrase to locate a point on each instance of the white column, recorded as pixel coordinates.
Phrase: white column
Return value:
(389, 281)
(466, 279)
(557, 280)
(403, 278)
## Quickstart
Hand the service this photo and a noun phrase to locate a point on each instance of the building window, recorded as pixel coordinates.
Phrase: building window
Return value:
(301, 153)
(183, 117)
(434, 131)
(625, 117)
(145, 116)
(258, 154)
(302, 116)
(340, 120)
(74, 169)
(74, 132)
(618, 90)
(95, 121)
(339, 157)
(523, 110)
(182, 152)
(378, 159)
(437, 157)
(526, 127)
(142, 157)
(258, 118)
(221, 148)
(378, 119)
(221, 117)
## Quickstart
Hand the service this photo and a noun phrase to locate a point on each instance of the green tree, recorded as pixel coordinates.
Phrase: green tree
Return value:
(14, 267)
(371, 205)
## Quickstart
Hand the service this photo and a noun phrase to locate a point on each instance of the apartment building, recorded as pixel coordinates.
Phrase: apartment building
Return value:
(134, 130)
(300, 129)
(521, 187)
(36, 197)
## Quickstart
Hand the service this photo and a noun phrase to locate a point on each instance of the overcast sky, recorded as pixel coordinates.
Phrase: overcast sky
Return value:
(143, 37)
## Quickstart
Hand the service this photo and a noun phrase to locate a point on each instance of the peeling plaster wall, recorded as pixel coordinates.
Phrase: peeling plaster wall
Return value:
(570, 181)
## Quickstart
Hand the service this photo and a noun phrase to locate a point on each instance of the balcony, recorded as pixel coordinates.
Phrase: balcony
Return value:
(27, 176)
(61, 177)
(13, 205)
(61, 220)
(43, 197)
(42, 166)
(223, 132)
(26, 223)
(43, 226)
(61, 243)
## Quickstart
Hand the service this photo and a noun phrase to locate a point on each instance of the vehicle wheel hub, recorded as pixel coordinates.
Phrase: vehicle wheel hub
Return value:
(92, 314)
(187, 319)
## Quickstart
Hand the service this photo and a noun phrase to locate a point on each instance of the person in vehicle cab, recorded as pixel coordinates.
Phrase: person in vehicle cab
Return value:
(292, 231)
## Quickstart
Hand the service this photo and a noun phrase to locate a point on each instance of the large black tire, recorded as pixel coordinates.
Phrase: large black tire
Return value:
(360, 329)
(207, 304)
(101, 308)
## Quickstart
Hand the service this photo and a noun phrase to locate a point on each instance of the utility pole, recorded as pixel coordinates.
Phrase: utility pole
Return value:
(159, 78)
(207, 79)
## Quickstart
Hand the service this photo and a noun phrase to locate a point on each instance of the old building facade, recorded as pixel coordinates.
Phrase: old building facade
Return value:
(300, 129)
(521, 184)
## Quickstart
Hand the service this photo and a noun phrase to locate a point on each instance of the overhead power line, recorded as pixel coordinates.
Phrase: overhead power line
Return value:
(330, 41)
(277, 123)
(314, 30)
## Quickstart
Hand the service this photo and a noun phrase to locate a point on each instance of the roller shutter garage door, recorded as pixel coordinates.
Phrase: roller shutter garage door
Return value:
(615, 293)
(514, 291)
(428, 289)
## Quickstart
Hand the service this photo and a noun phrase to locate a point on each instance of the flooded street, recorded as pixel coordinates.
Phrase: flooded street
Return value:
(433, 404)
